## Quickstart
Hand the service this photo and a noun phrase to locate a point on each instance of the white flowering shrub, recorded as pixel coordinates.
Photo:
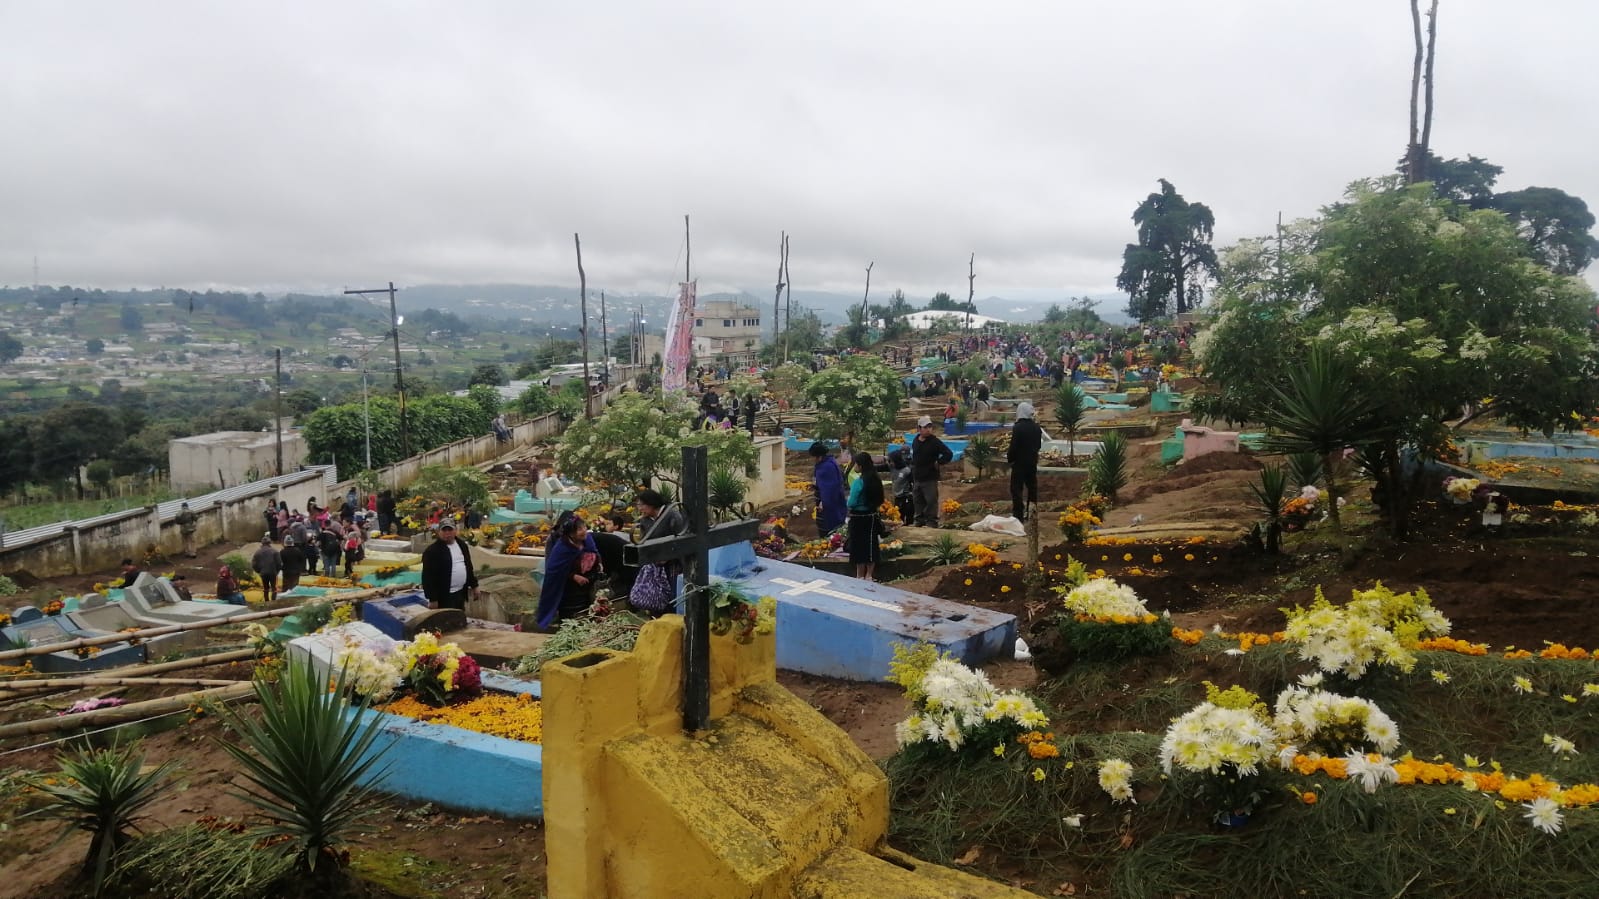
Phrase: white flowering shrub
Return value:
(642, 436)
(859, 396)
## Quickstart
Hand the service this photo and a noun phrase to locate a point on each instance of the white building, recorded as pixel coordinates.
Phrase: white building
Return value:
(234, 457)
(924, 320)
(726, 331)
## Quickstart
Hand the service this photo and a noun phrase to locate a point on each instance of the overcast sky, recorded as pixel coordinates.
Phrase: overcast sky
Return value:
(317, 145)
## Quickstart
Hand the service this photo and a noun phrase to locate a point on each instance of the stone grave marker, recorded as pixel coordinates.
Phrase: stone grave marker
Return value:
(34, 628)
(323, 649)
(153, 600)
(401, 617)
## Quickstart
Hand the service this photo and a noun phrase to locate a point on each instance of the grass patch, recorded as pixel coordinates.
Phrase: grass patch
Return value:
(1413, 840)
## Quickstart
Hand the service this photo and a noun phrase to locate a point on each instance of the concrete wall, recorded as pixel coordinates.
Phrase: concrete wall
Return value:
(99, 544)
(768, 484)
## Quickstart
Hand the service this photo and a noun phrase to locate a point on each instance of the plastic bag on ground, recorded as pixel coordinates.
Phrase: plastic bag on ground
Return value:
(1000, 524)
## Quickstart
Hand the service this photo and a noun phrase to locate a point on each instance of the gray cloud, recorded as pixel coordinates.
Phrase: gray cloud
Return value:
(317, 145)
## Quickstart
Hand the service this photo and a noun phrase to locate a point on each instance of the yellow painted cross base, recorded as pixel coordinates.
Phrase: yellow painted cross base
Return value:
(772, 800)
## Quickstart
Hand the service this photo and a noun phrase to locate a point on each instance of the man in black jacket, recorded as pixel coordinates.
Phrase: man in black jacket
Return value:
(1026, 439)
(447, 573)
(927, 454)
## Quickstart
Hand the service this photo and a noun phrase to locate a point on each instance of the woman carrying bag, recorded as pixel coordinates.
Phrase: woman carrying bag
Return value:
(655, 589)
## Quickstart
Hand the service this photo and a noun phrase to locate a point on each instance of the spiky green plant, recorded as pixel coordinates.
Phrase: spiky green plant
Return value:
(1324, 410)
(726, 491)
(1107, 471)
(947, 550)
(102, 791)
(980, 452)
(1304, 470)
(304, 758)
(1070, 408)
(1270, 494)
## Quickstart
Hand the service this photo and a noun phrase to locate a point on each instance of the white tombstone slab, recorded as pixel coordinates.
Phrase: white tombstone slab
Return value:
(325, 647)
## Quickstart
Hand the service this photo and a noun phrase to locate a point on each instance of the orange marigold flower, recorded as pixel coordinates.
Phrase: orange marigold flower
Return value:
(1307, 798)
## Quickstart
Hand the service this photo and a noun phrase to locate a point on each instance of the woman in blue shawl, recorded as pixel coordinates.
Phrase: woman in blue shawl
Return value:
(571, 563)
(829, 483)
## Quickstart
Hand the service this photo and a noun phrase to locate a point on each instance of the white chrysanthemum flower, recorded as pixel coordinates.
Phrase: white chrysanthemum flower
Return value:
(1544, 813)
(1559, 745)
(1371, 771)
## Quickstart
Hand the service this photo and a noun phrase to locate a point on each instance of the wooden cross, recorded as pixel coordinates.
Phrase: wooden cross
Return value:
(694, 547)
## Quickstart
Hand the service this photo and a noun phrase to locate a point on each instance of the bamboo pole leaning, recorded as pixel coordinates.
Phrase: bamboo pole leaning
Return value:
(146, 633)
(129, 712)
(11, 689)
(69, 683)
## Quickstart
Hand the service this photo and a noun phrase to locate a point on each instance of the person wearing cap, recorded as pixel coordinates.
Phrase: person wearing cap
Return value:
(267, 564)
(447, 575)
(1026, 439)
(927, 454)
(828, 482)
(292, 556)
(188, 523)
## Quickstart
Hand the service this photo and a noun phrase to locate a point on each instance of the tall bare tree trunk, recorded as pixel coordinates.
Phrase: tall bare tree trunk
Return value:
(1413, 148)
(1426, 116)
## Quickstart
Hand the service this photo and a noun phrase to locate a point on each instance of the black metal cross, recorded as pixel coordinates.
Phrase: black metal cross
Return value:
(694, 547)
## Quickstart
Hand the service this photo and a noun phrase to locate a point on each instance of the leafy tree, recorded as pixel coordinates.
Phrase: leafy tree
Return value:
(1556, 226)
(486, 398)
(132, 319)
(857, 398)
(1423, 306)
(1172, 256)
(94, 345)
(100, 473)
(71, 436)
(943, 302)
(488, 374)
(803, 333)
(640, 439)
(299, 402)
(10, 347)
(536, 400)
(1468, 181)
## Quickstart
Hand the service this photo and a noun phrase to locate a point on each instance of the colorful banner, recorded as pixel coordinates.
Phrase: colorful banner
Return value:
(679, 339)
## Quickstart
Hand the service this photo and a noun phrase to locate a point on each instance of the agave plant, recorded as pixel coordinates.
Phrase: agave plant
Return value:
(1069, 411)
(947, 550)
(304, 759)
(1304, 470)
(1107, 471)
(1271, 495)
(102, 791)
(980, 452)
(1323, 411)
(726, 490)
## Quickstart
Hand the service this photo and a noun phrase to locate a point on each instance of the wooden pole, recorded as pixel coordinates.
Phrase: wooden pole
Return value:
(971, 289)
(583, 293)
(782, 252)
(143, 670)
(686, 252)
(68, 683)
(129, 712)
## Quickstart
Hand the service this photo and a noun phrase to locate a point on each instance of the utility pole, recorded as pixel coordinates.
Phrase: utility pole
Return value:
(605, 346)
(277, 402)
(583, 300)
(971, 289)
(788, 303)
(399, 373)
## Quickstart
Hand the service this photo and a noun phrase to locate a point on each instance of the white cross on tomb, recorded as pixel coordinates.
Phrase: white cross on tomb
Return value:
(799, 588)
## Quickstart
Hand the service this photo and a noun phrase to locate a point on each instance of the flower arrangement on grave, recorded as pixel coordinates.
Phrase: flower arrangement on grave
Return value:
(1105, 620)
(889, 511)
(982, 556)
(53, 607)
(131, 631)
(1077, 522)
(954, 706)
(733, 611)
(1376, 627)
(891, 547)
(389, 571)
(1460, 490)
(1298, 512)
(5, 619)
(86, 652)
(439, 673)
(511, 716)
(771, 540)
(1218, 749)
(1329, 724)
(950, 507)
